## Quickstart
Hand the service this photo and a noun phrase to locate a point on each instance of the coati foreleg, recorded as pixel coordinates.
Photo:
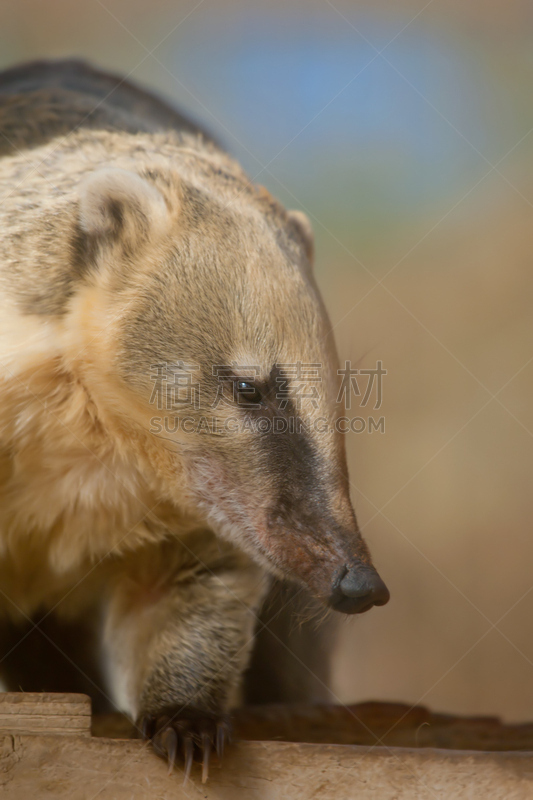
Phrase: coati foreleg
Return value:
(178, 637)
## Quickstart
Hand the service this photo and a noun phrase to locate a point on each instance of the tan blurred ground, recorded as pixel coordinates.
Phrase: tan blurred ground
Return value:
(452, 474)
(444, 497)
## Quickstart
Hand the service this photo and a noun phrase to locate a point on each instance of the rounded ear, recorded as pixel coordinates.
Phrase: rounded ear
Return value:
(303, 226)
(119, 204)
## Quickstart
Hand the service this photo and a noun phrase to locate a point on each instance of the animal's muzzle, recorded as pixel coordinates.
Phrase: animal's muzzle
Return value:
(357, 589)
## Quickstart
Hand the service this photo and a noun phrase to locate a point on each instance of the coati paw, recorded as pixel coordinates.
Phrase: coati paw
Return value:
(188, 734)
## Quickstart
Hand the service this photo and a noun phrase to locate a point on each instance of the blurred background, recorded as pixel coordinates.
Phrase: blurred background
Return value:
(405, 130)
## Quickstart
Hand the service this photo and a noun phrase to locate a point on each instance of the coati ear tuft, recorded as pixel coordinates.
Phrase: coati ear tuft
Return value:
(116, 203)
(302, 223)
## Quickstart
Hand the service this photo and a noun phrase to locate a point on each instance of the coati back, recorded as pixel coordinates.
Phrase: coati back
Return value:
(160, 474)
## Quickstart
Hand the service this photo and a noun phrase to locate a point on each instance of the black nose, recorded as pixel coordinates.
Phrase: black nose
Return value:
(357, 590)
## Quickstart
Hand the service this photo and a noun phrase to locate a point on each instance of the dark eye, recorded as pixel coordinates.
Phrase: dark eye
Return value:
(247, 394)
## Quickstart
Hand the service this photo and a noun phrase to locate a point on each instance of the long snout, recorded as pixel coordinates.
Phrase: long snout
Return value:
(328, 555)
(356, 589)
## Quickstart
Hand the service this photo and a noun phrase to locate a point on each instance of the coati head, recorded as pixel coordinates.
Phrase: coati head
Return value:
(208, 347)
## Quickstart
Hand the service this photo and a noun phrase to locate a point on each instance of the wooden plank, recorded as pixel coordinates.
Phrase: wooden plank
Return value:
(37, 763)
(388, 724)
(77, 768)
(57, 714)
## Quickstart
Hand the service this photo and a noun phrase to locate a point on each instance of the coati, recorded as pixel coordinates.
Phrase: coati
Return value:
(160, 464)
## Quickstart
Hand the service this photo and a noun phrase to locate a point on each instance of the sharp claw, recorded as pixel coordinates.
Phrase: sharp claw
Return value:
(170, 740)
(194, 734)
(206, 745)
(188, 748)
(220, 741)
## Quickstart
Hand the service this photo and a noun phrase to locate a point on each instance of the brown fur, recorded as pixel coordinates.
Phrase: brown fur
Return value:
(120, 250)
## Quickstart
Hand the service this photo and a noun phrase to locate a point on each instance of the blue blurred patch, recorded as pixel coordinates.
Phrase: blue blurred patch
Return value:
(330, 116)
